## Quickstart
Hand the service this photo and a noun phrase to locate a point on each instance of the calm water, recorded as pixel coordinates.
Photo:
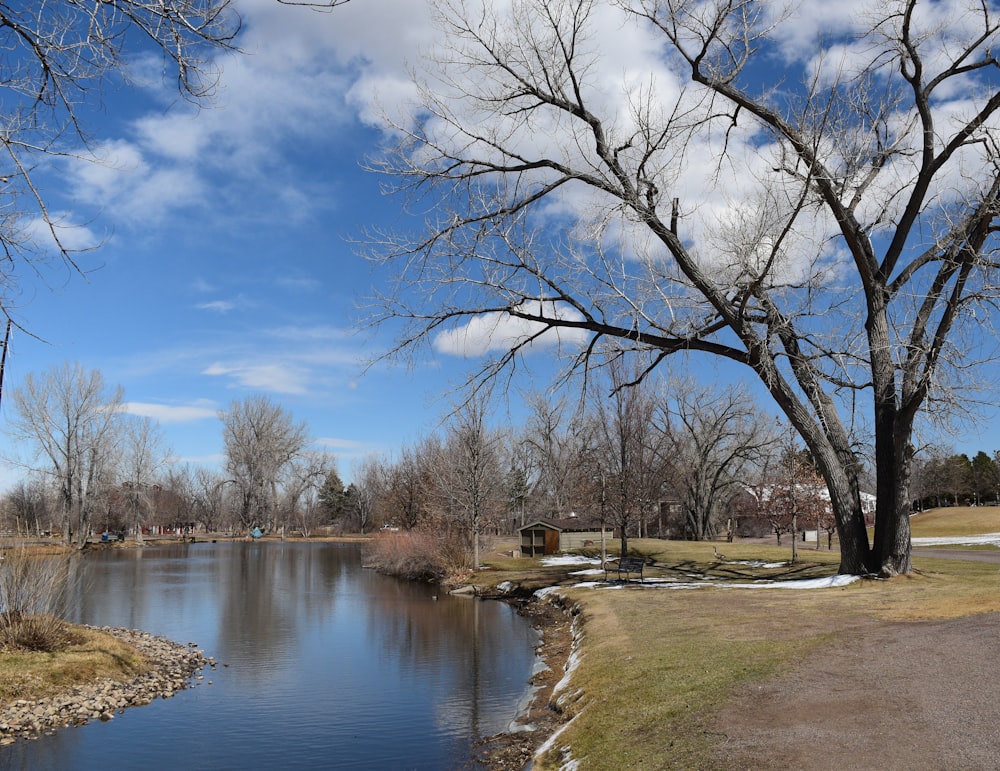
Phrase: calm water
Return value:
(330, 665)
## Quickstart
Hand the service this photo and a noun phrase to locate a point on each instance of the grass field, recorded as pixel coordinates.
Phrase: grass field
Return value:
(658, 663)
(956, 521)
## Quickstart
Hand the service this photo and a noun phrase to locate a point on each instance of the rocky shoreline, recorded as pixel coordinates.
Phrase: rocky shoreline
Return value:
(172, 666)
(543, 716)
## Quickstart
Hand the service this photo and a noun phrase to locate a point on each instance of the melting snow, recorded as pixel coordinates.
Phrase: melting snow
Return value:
(571, 559)
(698, 581)
(988, 539)
(757, 563)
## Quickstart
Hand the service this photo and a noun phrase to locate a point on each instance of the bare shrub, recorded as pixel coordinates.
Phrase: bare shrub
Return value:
(33, 592)
(412, 554)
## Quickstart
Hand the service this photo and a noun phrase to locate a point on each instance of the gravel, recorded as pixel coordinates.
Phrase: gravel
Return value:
(174, 667)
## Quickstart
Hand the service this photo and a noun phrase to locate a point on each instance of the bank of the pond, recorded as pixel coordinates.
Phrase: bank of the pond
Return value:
(542, 715)
(171, 668)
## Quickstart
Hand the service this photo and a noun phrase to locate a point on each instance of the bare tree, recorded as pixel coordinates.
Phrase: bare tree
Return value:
(262, 440)
(835, 236)
(143, 454)
(211, 504)
(69, 417)
(176, 490)
(306, 478)
(364, 491)
(713, 437)
(792, 494)
(469, 477)
(556, 435)
(405, 485)
(626, 441)
(520, 473)
(27, 507)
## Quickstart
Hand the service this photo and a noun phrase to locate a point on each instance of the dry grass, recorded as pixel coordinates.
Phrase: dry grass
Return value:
(659, 663)
(93, 656)
(955, 521)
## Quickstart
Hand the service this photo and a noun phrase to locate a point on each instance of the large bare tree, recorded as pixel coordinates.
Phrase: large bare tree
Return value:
(363, 493)
(555, 437)
(628, 444)
(69, 418)
(404, 489)
(143, 455)
(814, 201)
(262, 442)
(714, 436)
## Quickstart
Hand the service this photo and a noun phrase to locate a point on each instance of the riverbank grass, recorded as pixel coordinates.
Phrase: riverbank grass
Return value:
(89, 656)
(658, 664)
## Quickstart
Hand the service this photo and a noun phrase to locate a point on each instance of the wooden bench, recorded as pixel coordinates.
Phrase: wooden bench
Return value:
(625, 565)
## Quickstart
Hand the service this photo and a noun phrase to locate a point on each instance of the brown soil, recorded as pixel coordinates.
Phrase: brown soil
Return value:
(884, 696)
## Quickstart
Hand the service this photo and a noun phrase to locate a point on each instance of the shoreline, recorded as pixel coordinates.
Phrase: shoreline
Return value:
(173, 667)
(542, 716)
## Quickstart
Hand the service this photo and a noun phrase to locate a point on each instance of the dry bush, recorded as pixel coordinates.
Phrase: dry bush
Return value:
(418, 554)
(33, 591)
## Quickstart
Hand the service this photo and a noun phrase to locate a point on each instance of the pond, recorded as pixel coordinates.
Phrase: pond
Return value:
(321, 663)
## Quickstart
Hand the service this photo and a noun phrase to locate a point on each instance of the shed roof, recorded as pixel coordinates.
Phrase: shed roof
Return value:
(565, 524)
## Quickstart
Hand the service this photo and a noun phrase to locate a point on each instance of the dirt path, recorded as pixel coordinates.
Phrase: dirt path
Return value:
(970, 555)
(888, 696)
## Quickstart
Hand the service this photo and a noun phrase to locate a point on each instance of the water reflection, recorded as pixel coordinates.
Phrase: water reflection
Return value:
(330, 665)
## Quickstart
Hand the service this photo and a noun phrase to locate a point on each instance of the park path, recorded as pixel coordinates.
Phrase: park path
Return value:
(884, 695)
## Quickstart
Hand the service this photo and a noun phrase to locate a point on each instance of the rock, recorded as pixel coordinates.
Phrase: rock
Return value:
(173, 668)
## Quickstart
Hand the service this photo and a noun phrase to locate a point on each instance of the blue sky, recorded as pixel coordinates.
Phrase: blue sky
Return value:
(227, 266)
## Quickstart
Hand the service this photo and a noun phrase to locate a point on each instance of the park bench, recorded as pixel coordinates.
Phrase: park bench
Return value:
(624, 566)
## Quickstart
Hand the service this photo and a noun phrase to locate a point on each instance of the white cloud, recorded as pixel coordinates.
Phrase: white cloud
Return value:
(298, 283)
(282, 378)
(501, 331)
(72, 236)
(318, 332)
(219, 306)
(289, 84)
(169, 413)
(339, 444)
(178, 136)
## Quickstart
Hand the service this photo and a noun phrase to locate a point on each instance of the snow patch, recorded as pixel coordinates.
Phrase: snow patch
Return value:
(829, 582)
(987, 539)
(757, 563)
(551, 741)
(570, 559)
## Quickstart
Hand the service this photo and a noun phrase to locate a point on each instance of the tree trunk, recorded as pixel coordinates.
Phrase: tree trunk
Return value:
(891, 549)
(891, 553)
(837, 468)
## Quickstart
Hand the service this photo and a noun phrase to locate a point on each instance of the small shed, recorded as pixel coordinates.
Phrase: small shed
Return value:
(549, 536)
